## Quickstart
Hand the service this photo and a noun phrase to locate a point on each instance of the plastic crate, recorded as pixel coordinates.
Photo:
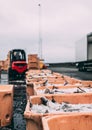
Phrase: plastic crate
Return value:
(73, 121)
(6, 104)
(34, 120)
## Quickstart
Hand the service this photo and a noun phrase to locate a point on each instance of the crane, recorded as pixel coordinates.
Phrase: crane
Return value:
(40, 32)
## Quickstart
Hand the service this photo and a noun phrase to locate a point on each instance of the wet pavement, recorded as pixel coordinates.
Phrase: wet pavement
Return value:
(73, 72)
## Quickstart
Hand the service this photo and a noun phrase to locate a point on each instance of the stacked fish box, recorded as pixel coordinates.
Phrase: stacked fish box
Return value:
(54, 98)
(44, 77)
(4, 65)
(45, 80)
(33, 61)
(35, 78)
(1, 65)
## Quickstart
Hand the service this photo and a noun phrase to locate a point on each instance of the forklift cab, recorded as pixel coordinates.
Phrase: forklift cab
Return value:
(17, 55)
(18, 65)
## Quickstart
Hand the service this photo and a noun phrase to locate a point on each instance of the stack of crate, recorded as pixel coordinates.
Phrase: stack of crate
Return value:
(6, 62)
(1, 65)
(33, 61)
(6, 65)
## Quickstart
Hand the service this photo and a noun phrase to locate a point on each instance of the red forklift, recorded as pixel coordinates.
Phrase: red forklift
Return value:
(17, 65)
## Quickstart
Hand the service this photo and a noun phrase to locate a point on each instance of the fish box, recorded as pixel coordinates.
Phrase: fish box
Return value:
(73, 121)
(6, 104)
(34, 119)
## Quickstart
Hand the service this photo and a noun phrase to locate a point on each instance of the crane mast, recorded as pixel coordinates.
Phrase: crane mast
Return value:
(40, 32)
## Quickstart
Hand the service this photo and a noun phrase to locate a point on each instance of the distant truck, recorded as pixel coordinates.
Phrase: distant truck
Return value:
(84, 53)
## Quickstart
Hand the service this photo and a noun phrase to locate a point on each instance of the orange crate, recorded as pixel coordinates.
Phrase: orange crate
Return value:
(32, 58)
(69, 89)
(33, 65)
(34, 120)
(6, 104)
(73, 121)
(30, 90)
(86, 83)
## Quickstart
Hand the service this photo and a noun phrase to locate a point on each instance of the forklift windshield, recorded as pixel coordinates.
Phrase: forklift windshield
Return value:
(18, 55)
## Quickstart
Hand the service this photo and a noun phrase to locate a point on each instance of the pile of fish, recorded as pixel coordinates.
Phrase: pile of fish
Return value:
(49, 106)
(47, 77)
(56, 90)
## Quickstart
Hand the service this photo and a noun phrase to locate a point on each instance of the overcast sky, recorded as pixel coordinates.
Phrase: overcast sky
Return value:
(63, 22)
